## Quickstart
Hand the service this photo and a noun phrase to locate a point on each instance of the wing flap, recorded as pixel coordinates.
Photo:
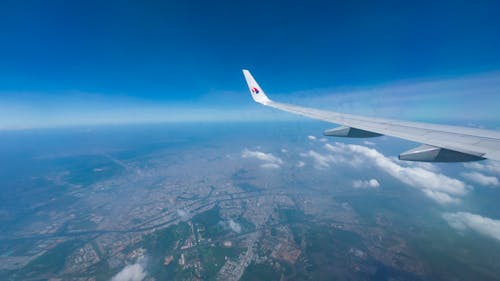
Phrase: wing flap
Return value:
(428, 153)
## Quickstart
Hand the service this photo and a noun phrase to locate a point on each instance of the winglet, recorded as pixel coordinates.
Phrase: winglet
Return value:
(258, 94)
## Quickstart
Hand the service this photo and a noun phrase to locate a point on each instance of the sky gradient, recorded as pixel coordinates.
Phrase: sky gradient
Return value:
(78, 62)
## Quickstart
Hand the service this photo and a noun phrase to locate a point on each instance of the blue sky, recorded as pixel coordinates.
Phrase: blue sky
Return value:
(65, 62)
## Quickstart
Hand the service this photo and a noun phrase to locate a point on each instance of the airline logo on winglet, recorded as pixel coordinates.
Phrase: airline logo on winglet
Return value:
(255, 90)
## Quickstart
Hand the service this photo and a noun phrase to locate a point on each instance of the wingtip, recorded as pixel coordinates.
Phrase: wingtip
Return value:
(255, 90)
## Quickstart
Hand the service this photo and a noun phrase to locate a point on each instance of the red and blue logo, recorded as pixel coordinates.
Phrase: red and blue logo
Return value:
(255, 90)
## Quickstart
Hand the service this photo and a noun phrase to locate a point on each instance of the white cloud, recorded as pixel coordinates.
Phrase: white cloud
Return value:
(481, 179)
(333, 148)
(311, 138)
(270, 166)
(183, 214)
(373, 183)
(341, 156)
(300, 164)
(284, 150)
(440, 197)
(369, 143)
(414, 176)
(236, 227)
(271, 160)
(436, 186)
(462, 221)
(320, 161)
(423, 165)
(133, 272)
(488, 166)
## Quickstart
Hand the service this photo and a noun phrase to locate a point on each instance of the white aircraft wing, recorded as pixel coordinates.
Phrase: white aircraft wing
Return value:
(441, 143)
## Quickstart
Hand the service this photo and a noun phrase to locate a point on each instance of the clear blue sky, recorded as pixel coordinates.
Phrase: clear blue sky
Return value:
(178, 51)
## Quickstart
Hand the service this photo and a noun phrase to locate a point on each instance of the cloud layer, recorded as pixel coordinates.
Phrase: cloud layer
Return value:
(321, 161)
(485, 167)
(481, 179)
(462, 221)
(426, 177)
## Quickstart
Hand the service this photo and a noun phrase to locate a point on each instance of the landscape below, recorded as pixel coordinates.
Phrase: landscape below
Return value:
(216, 201)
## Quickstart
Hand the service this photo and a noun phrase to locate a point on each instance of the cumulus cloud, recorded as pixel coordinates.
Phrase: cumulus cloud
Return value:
(440, 197)
(373, 183)
(311, 138)
(271, 160)
(462, 221)
(181, 213)
(236, 227)
(369, 143)
(133, 272)
(436, 186)
(340, 156)
(423, 165)
(488, 166)
(270, 166)
(320, 161)
(333, 148)
(481, 179)
(300, 164)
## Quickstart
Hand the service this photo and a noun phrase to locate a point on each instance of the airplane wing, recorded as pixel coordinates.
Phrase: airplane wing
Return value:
(440, 143)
